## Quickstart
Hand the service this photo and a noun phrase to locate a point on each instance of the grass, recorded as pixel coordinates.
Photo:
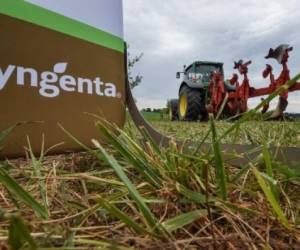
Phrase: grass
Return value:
(253, 132)
(133, 194)
(155, 116)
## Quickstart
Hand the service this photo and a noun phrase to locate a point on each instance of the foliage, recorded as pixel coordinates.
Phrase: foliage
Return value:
(19, 235)
(148, 197)
(4, 134)
(134, 80)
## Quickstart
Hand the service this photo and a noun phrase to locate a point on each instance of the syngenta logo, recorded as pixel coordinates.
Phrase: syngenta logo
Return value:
(51, 84)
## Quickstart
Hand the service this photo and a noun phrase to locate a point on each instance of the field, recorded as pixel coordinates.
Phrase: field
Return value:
(253, 132)
(134, 195)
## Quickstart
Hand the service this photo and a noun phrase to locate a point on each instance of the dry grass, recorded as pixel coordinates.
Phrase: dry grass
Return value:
(253, 132)
(74, 184)
(137, 195)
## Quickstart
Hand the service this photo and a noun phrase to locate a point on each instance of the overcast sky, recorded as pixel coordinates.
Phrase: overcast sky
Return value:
(174, 32)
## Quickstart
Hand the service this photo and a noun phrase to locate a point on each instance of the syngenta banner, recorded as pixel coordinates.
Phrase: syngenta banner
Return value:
(48, 81)
(60, 62)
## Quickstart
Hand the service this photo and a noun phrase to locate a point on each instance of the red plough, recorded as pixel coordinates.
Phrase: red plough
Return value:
(237, 100)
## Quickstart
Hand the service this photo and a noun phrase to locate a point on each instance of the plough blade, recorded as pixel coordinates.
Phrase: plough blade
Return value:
(281, 107)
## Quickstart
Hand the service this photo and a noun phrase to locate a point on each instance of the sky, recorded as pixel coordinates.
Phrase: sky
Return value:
(173, 33)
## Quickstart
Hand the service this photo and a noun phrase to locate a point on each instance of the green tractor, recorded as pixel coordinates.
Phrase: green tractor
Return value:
(194, 91)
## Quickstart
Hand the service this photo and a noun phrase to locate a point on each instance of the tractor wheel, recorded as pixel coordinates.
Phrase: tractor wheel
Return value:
(190, 104)
(173, 110)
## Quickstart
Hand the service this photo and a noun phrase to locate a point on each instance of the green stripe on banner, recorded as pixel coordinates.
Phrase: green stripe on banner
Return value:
(32, 13)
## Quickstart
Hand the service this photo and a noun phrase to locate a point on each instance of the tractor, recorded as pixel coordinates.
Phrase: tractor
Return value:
(204, 89)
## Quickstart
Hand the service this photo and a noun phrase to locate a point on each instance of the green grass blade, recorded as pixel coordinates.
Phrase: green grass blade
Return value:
(75, 139)
(224, 102)
(135, 154)
(190, 195)
(19, 193)
(244, 169)
(121, 216)
(184, 219)
(220, 170)
(37, 165)
(19, 236)
(271, 198)
(240, 173)
(200, 144)
(267, 159)
(4, 134)
(150, 218)
(101, 244)
(268, 163)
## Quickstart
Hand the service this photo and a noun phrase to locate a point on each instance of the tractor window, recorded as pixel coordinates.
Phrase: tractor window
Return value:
(190, 69)
(206, 70)
(203, 69)
(191, 73)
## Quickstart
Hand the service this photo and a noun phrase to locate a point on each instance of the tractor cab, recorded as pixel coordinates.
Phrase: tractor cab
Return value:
(197, 75)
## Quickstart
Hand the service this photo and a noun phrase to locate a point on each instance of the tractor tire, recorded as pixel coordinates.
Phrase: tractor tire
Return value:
(191, 106)
(173, 109)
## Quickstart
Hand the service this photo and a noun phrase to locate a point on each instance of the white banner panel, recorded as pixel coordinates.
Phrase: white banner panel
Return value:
(100, 14)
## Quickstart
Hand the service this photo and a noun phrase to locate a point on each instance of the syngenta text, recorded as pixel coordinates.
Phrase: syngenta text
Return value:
(51, 84)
